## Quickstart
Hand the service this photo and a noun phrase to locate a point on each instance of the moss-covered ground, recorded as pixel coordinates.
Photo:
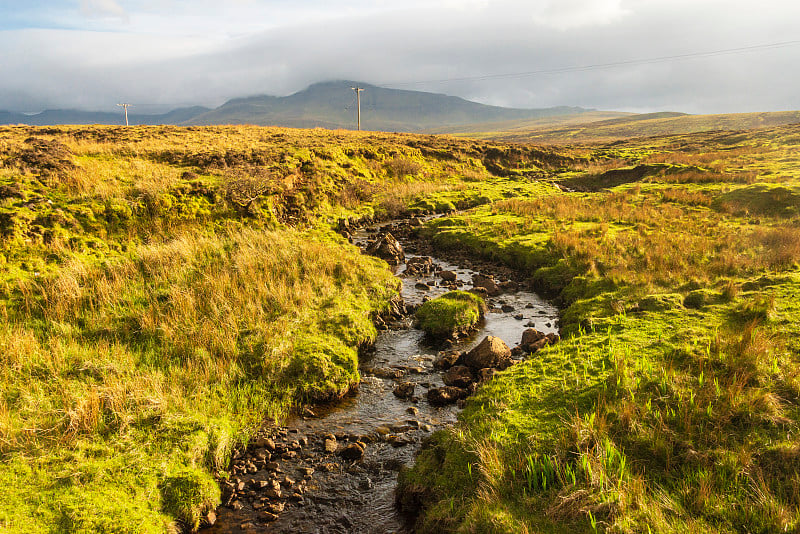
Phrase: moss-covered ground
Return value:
(166, 290)
(453, 312)
(672, 402)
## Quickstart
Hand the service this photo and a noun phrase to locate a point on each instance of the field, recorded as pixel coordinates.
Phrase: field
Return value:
(672, 403)
(608, 127)
(166, 290)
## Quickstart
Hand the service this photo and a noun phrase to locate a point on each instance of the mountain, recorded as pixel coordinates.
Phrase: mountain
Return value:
(52, 117)
(333, 105)
(327, 105)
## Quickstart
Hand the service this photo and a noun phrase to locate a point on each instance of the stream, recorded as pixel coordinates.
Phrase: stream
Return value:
(310, 475)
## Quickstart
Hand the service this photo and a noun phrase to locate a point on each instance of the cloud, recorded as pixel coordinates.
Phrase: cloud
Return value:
(158, 61)
(104, 9)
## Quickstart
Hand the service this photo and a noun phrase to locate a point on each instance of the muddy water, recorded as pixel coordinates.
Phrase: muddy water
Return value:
(342, 496)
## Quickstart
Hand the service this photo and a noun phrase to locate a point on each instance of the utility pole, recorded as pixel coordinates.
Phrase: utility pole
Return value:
(126, 112)
(358, 101)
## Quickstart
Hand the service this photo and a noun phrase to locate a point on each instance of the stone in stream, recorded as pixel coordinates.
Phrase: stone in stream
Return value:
(491, 352)
(448, 276)
(404, 390)
(354, 451)
(530, 336)
(487, 283)
(446, 359)
(445, 395)
(329, 445)
(420, 265)
(387, 248)
(385, 372)
(459, 376)
(421, 286)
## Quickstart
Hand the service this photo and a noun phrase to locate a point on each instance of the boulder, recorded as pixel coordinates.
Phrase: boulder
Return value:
(445, 395)
(420, 265)
(459, 376)
(448, 276)
(354, 451)
(491, 352)
(404, 390)
(388, 248)
(530, 336)
(487, 283)
(446, 359)
(484, 375)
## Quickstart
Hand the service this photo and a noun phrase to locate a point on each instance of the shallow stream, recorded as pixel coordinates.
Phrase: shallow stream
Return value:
(321, 492)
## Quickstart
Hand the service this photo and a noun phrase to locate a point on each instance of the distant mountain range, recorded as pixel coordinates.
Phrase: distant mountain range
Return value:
(327, 105)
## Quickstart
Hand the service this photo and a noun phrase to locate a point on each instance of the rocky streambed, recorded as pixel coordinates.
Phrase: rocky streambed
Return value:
(334, 469)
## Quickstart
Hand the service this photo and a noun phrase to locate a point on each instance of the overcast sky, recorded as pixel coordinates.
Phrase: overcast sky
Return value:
(160, 54)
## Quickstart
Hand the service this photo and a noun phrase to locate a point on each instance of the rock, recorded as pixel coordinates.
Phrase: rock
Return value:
(491, 352)
(354, 451)
(329, 445)
(448, 276)
(307, 412)
(386, 372)
(445, 395)
(419, 265)
(459, 376)
(404, 390)
(487, 283)
(530, 336)
(484, 375)
(276, 507)
(211, 517)
(446, 359)
(421, 286)
(519, 317)
(507, 308)
(509, 285)
(269, 516)
(413, 410)
(273, 493)
(552, 338)
(266, 443)
(388, 248)
(398, 441)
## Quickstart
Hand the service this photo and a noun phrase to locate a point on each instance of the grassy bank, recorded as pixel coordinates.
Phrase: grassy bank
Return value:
(165, 290)
(672, 402)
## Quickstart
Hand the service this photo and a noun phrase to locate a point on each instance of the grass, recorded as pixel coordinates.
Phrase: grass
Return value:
(167, 290)
(672, 401)
(453, 312)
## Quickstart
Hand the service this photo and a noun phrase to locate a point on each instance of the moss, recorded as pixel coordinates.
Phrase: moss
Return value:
(188, 494)
(321, 369)
(453, 312)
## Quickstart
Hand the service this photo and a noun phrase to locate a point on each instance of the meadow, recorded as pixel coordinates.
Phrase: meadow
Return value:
(166, 291)
(672, 402)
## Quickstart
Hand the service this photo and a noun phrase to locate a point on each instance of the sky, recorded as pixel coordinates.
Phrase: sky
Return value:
(601, 54)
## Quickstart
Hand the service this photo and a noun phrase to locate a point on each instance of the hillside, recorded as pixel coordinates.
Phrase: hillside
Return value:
(332, 105)
(622, 127)
(67, 116)
(328, 105)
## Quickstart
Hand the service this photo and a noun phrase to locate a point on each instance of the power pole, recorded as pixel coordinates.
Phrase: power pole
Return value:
(126, 112)
(358, 101)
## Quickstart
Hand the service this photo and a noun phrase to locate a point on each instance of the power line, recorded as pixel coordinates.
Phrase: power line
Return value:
(599, 66)
(126, 106)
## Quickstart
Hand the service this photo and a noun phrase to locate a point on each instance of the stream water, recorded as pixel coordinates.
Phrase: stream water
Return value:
(319, 491)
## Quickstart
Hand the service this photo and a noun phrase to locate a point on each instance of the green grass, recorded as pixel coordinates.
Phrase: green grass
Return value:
(166, 290)
(671, 403)
(453, 312)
